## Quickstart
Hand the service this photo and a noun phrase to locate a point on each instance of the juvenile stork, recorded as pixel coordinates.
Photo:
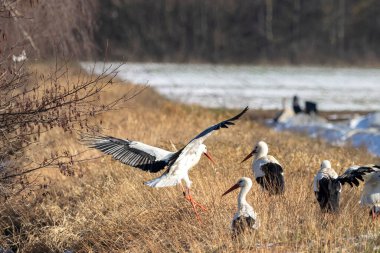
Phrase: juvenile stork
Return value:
(266, 169)
(245, 218)
(153, 159)
(328, 184)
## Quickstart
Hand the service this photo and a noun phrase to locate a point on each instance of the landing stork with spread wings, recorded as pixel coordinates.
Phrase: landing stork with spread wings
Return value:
(153, 159)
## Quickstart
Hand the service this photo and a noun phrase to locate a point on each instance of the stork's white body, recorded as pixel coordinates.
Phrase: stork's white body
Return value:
(371, 191)
(245, 215)
(244, 208)
(188, 158)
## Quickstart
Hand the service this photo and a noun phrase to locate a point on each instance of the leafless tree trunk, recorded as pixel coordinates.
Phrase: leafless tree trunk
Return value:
(45, 28)
(269, 26)
(341, 25)
(268, 20)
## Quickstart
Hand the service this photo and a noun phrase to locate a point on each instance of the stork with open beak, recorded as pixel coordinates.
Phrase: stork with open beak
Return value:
(153, 159)
(328, 184)
(266, 169)
(245, 218)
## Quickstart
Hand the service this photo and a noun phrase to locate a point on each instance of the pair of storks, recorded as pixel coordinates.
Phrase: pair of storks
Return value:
(328, 186)
(267, 170)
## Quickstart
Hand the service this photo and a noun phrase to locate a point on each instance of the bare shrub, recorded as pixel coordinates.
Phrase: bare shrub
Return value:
(60, 96)
(46, 28)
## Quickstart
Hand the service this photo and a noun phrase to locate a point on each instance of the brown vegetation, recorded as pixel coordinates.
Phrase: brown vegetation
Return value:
(104, 207)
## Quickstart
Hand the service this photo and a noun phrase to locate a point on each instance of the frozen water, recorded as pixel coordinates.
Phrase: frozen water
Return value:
(260, 87)
(236, 86)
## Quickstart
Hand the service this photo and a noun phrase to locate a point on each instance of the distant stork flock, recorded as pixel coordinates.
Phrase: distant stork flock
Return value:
(268, 172)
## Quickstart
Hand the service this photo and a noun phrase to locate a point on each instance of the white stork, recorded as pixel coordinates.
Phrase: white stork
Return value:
(371, 191)
(153, 159)
(328, 184)
(266, 169)
(245, 218)
(22, 57)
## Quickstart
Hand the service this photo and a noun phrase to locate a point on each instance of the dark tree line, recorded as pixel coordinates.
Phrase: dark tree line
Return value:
(295, 31)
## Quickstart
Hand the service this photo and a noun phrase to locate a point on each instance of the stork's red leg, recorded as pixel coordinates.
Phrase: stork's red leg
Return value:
(193, 202)
(373, 213)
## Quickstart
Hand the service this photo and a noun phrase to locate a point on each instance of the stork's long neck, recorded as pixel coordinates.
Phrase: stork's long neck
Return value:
(260, 154)
(242, 201)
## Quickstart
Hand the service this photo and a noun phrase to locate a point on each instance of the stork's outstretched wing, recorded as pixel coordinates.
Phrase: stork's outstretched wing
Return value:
(133, 153)
(224, 124)
(353, 174)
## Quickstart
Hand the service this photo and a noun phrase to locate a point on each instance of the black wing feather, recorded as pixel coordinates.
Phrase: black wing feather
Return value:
(328, 195)
(273, 181)
(223, 124)
(121, 150)
(323, 193)
(242, 224)
(352, 176)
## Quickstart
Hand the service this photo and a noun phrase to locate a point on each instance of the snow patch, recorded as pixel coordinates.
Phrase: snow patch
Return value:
(359, 132)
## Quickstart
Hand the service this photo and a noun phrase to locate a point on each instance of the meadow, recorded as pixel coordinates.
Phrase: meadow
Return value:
(105, 207)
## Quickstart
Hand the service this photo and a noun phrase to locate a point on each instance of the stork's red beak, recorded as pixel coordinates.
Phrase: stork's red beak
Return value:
(234, 187)
(249, 156)
(209, 157)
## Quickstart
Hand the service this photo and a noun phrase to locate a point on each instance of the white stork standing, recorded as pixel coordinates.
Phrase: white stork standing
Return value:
(266, 169)
(328, 184)
(153, 159)
(245, 218)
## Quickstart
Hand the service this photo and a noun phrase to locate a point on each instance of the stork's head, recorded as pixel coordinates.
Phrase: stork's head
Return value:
(203, 148)
(325, 164)
(260, 149)
(244, 182)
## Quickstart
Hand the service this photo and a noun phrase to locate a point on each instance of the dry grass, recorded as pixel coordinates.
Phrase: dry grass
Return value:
(108, 209)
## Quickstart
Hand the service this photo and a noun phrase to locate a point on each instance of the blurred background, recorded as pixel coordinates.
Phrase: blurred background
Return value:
(251, 31)
(216, 31)
(221, 53)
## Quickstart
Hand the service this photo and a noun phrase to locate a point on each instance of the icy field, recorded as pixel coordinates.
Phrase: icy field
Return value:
(235, 86)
